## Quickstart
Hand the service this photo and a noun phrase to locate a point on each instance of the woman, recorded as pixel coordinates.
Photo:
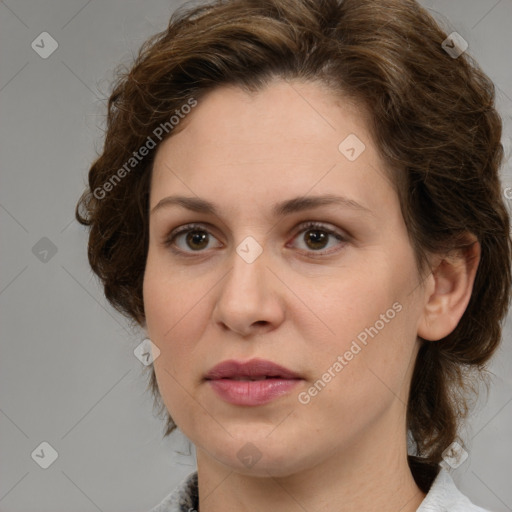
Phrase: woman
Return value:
(299, 202)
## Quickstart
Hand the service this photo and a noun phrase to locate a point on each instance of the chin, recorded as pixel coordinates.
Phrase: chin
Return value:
(260, 456)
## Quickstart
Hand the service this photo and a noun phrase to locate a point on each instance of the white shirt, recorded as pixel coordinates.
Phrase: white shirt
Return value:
(443, 496)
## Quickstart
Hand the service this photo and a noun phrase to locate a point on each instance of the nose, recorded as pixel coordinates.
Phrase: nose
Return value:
(249, 298)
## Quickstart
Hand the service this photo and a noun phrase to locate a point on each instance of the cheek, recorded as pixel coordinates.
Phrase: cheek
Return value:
(170, 299)
(369, 320)
(355, 382)
(175, 316)
(347, 305)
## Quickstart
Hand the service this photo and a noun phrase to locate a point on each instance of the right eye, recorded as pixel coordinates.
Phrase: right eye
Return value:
(190, 238)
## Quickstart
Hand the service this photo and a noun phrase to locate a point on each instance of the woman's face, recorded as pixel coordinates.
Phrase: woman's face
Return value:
(337, 304)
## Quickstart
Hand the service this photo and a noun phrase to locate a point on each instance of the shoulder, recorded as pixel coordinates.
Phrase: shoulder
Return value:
(445, 497)
(184, 498)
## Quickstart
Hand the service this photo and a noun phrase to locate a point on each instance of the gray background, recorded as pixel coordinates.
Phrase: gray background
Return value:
(68, 373)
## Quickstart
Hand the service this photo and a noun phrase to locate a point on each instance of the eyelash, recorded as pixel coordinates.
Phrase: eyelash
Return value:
(169, 241)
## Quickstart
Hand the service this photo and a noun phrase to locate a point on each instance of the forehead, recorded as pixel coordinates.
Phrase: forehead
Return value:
(288, 139)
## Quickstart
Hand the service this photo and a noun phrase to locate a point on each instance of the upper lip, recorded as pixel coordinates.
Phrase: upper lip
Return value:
(255, 368)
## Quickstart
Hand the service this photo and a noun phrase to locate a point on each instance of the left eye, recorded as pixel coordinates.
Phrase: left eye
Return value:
(316, 237)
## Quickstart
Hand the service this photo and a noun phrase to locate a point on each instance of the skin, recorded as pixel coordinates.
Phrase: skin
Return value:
(346, 448)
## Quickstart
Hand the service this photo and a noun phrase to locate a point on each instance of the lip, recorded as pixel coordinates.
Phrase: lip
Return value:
(229, 380)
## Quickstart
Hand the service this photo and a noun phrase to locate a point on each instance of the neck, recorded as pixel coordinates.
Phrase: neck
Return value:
(367, 476)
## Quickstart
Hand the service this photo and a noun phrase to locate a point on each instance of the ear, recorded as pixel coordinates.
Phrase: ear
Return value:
(453, 276)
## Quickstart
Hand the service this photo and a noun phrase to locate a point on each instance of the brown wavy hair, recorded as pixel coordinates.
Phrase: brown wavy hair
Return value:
(432, 118)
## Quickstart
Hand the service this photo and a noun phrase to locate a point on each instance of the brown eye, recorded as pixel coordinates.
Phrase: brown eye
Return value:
(317, 237)
(197, 240)
(189, 239)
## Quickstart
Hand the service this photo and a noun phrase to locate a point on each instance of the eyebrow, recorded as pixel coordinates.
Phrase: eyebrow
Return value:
(296, 204)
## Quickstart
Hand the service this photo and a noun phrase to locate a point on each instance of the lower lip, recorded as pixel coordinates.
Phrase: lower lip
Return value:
(252, 392)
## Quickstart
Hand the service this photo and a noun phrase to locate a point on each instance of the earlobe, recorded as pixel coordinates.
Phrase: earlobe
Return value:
(454, 276)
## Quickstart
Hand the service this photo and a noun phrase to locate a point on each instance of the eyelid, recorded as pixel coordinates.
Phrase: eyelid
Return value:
(189, 227)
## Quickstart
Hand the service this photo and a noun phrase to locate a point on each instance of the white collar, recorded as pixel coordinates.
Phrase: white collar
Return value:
(444, 496)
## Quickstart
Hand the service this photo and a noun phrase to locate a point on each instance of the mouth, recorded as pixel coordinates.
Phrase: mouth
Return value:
(255, 369)
(244, 377)
(251, 383)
